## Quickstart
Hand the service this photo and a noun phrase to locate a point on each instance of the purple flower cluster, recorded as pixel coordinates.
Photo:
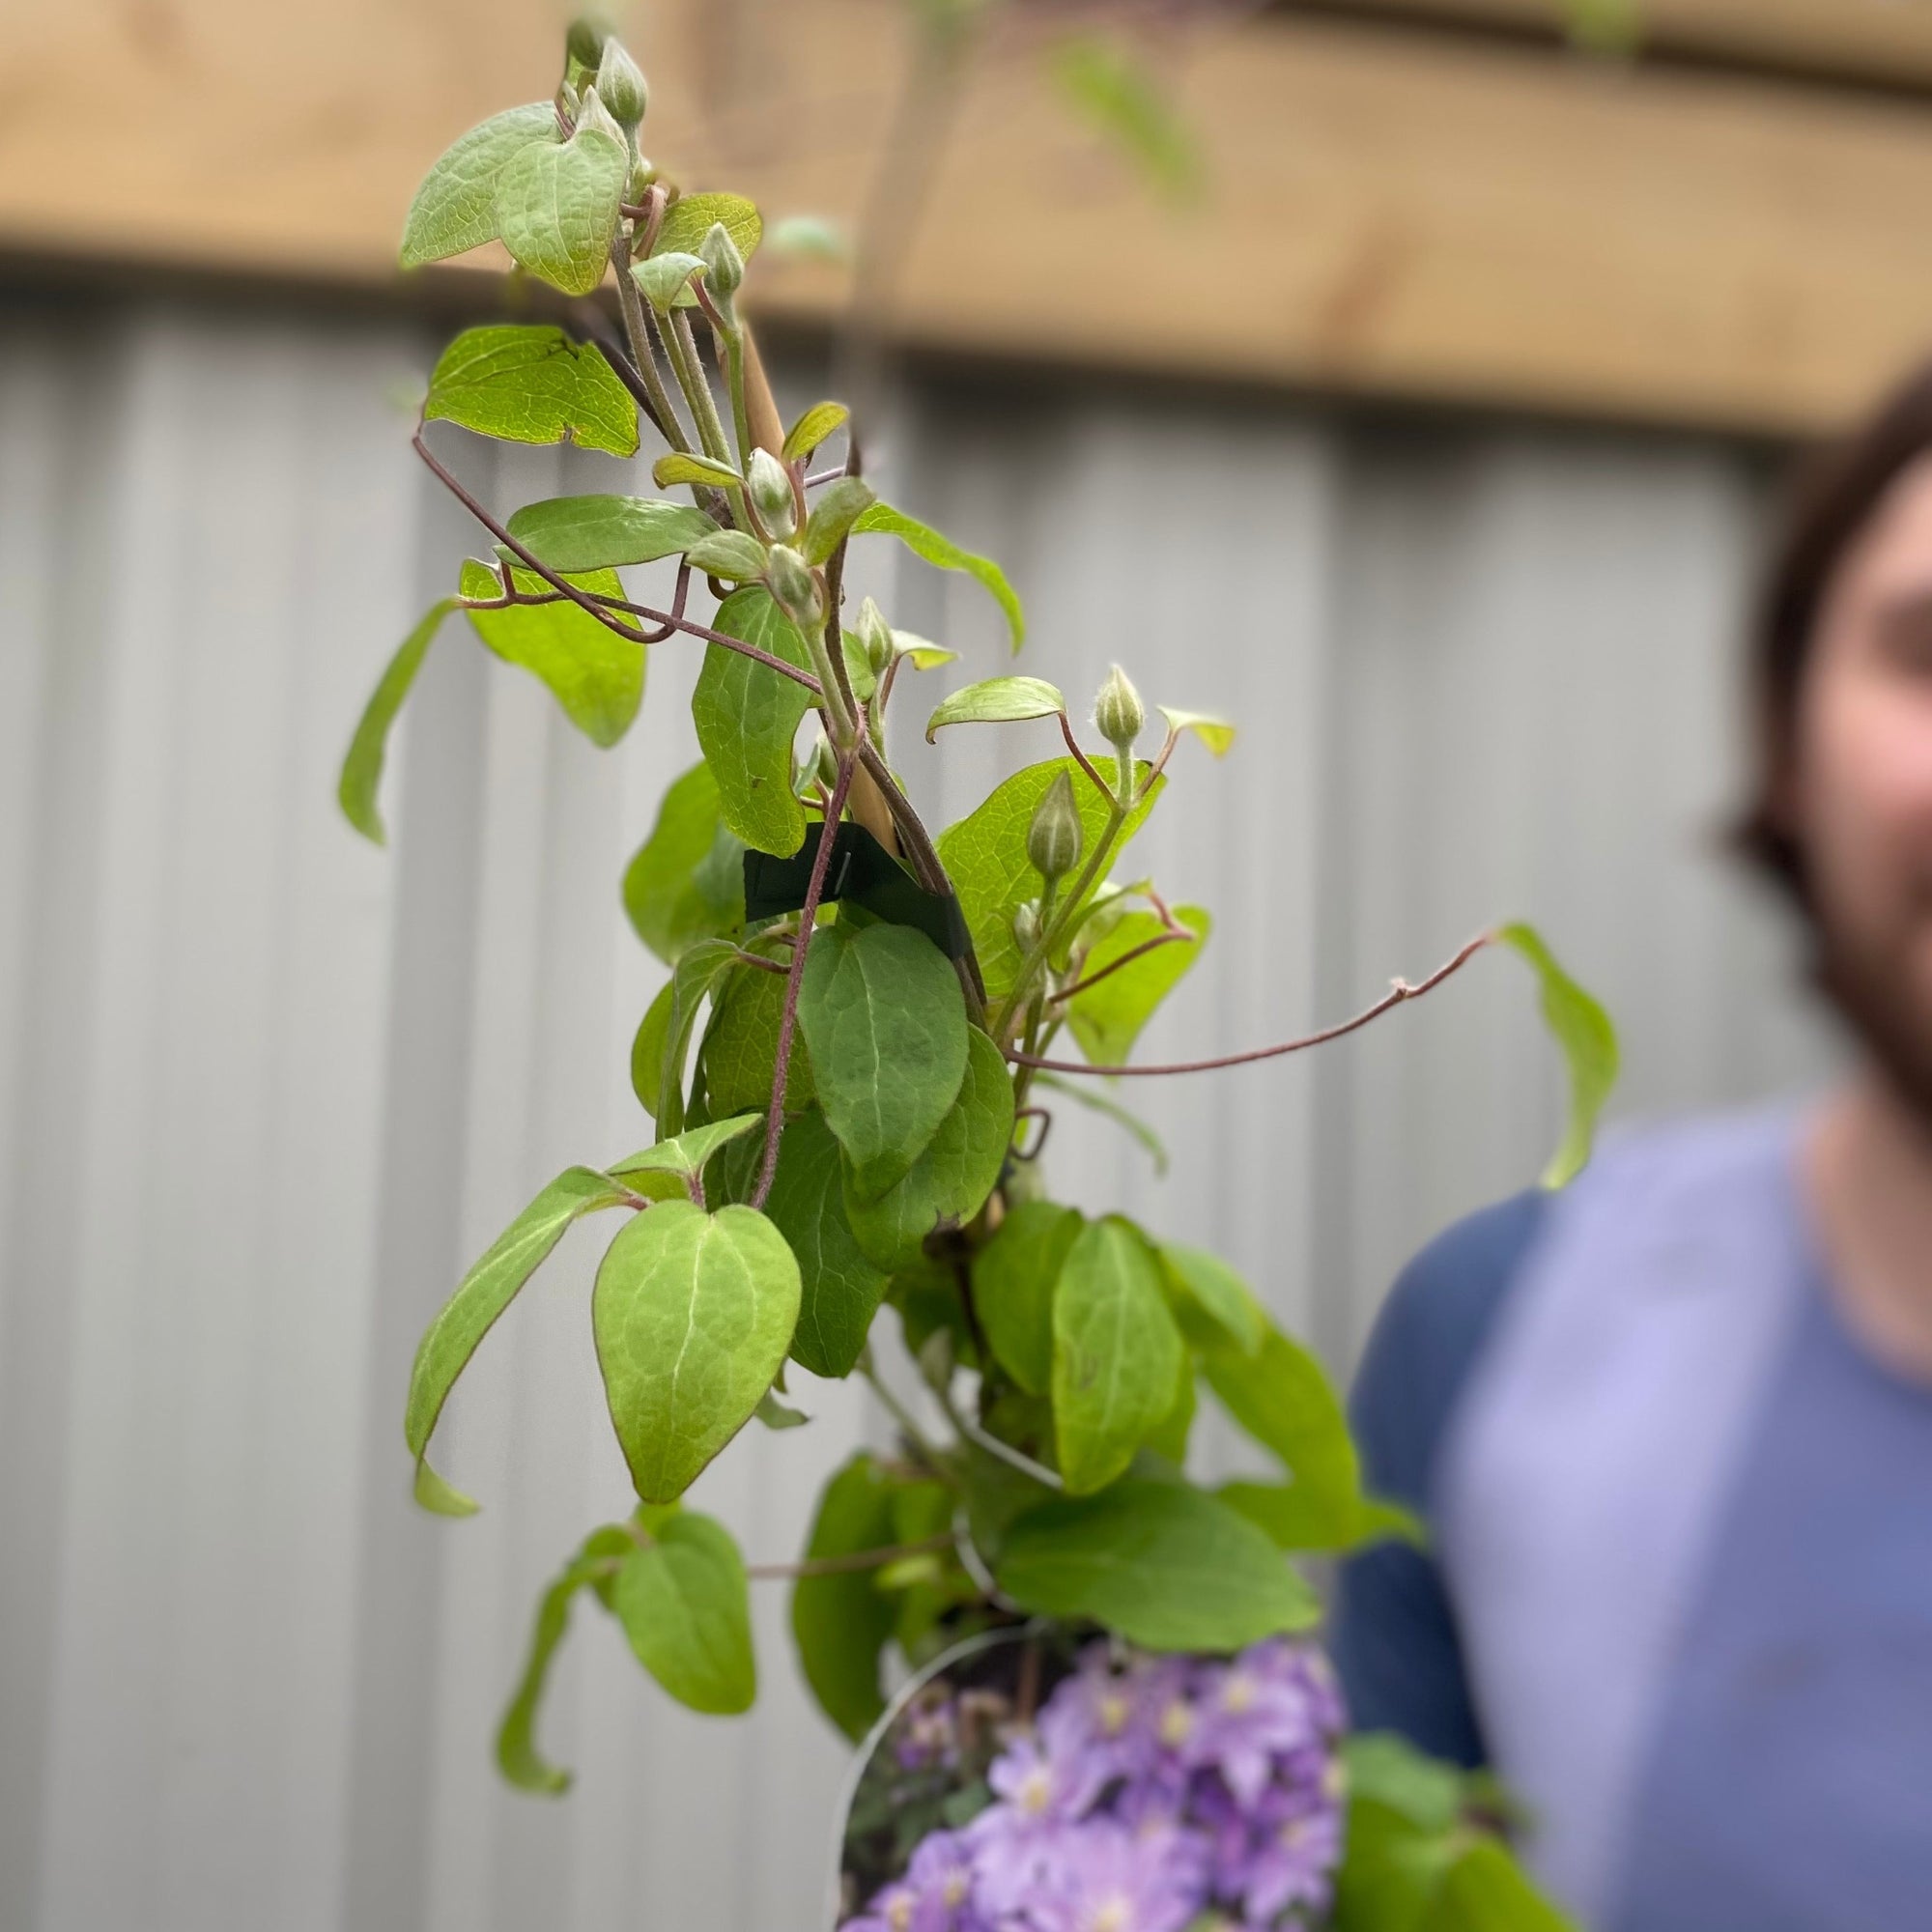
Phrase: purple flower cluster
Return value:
(1152, 1793)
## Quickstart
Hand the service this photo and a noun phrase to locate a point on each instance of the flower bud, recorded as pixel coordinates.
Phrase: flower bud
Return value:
(827, 764)
(584, 41)
(770, 485)
(1118, 714)
(620, 84)
(1026, 926)
(1056, 835)
(795, 587)
(724, 266)
(876, 637)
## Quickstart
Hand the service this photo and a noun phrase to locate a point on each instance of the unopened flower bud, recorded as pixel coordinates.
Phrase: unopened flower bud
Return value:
(794, 587)
(1026, 926)
(724, 267)
(1056, 835)
(770, 485)
(584, 42)
(1118, 714)
(876, 637)
(827, 764)
(620, 84)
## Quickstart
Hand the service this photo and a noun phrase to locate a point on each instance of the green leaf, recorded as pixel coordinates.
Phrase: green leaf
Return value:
(1282, 1397)
(949, 1183)
(840, 507)
(998, 700)
(599, 532)
(777, 1415)
(923, 654)
(1305, 1521)
(747, 717)
(693, 1314)
(455, 209)
(1169, 1568)
(985, 856)
(684, 1604)
(741, 1048)
(811, 238)
(682, 467)
(731, 555)
(664, 1036)
(1214, 1306)
(1169, 1437)
(1486, 1890)
(839, 1289)
(1104, 81)
(1385, 1767)
(517, 1753)
(1124, 1118)
(690, 218)
(946, 555)
(1391, 1872)
(886, 1023)
(1108, 1016)
(556, 207)
(684, 1155)
(811, 429)
(1216, 734)
(362, 766)
(842, 1622)
(1013, 1279)
(1589, 1043)
(530, 383)
(469, 1314)
(1116, 1353)
(597, 676)
(687, 880)
(665, 276)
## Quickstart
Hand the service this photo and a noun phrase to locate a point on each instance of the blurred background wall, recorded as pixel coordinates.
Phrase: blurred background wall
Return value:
(1457, 517)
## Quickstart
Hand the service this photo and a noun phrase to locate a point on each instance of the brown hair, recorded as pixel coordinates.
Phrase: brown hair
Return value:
(1835, 496)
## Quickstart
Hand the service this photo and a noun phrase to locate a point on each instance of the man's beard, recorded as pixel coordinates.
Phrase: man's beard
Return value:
(1875, 996)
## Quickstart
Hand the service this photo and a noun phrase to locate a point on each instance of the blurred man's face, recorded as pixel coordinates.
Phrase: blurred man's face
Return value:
(1863, 801)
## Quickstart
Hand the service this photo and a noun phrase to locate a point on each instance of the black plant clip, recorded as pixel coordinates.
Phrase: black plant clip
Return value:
(864, 873)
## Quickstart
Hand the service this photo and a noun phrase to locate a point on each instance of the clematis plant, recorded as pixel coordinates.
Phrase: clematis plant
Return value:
(851, 1064)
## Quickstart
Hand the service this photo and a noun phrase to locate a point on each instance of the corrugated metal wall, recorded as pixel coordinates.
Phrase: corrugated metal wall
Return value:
(264, 1090)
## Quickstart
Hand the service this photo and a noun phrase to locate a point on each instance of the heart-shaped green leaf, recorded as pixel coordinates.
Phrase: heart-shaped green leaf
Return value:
(664, 1035)
(1117, 1354)
(362, 767)
(693, 1314)
(1216, 734)
(684, 467)
(600, 532)
(530, 383)
(741, 1048)
(950, 1181)
(998, 700)
(556, 207)
(687, 880)
(1214, 1306)
(455, 209)
(596, 676)
(1167, 1566)
(689, 221)
(686, 1609)
(1589, 1041)
(886, 1024)
(665, 276)
(469, 1314)
(747, 716)
(924, 542)
(1013, 1279)
(685, 1155)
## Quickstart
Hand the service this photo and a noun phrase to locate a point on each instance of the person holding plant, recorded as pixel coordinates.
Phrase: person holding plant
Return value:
(1672, 1429)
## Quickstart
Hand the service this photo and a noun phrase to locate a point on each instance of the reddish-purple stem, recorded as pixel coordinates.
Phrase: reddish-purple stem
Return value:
(1086, 764)
(821, 862)
(1398, 995)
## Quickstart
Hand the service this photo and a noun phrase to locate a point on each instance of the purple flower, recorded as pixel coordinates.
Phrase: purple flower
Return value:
(1290, 1861)
(935, 1894)
(1102, 1877)
(1245, 1716)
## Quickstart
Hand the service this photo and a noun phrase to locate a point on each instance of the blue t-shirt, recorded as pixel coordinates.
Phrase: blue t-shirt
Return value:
(1679, 1589)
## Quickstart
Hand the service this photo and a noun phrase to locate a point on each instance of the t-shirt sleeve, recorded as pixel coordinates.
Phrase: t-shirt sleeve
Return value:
(1394, 1637)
